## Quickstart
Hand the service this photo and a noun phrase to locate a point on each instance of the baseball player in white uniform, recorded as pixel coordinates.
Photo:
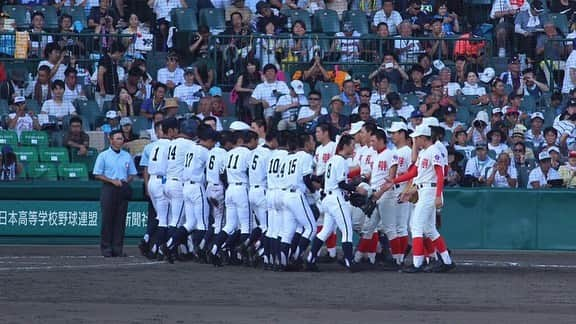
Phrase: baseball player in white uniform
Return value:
(257, 175)
(402, 210)
(195, 200)
(296, 172)
(236, 195)
(428, 178)
(271, 255)
(215, 174)
(336, 209)
(324, 152)
(176, 157)
(157, 165)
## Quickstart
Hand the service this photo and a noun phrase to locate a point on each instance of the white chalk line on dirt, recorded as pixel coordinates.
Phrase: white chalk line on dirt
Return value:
(510, 264)
(80, 266)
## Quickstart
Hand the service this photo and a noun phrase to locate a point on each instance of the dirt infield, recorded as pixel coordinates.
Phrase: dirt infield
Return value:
(73, 285)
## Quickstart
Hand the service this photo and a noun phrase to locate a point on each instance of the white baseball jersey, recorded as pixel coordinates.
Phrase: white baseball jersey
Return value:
(296, 167)
(216, 165)
(259, 165)
(176, 156)
(367, 160)
(188, 94)
(403, 158)
(274, 163)
(336, 171)
(322, 155)
(157, 163)
(381, 168)
(195, 163)
(427, 159)
(238, 164)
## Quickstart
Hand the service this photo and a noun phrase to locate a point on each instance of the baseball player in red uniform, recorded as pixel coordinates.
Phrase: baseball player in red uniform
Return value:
(428, 177)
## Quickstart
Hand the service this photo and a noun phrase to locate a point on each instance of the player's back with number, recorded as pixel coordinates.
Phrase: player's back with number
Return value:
(176, 157)
(336, 171)
(238, 164)
(258, 165)
(274, 164)
(158, 161)
(216, 165)
(195, 163)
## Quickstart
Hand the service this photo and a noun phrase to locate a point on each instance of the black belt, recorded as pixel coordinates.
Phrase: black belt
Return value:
(159, 177)
(214, 184)
(334, 192)
(239, 183)
(174, 179)
(291, 190)
(426, 185)
(256, 186)
(193, 182)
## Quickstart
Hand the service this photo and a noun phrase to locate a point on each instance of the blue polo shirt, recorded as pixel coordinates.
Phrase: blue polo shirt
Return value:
(117, 166)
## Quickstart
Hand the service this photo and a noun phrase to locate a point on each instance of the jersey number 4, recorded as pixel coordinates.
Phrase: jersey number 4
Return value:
(172, 152)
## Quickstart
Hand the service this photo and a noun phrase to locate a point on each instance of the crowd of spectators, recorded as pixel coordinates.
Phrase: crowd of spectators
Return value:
(502, 87)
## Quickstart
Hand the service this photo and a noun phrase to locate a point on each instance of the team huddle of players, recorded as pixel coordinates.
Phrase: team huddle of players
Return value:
(232, 198)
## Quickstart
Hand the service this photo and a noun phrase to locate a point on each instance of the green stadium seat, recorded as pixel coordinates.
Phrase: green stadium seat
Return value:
(185, 19)
(183, 108)
(358, 19)
(326, 21)
(192, 4)
(18, 13)
(88, 160)
(140, 123)
(88, 109)
(33, 105)
(50, 17)
(4, 107)
(226, 121)
(328, 90)
(54, 154)
(34, 138)
(412, 99)
(8, 138)
(302, 15)
(73, 171)
(26, 154)
(561, 22)
(42, 171)
(214, 18)
(77, 13)
(386, 122)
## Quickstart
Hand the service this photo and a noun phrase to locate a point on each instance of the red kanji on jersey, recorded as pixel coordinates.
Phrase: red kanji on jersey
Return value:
(425, 163)
(382, 165)
(400, 160)
(325, 157)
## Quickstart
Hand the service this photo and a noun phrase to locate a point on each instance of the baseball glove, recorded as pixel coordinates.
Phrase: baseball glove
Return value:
(369, 207)
(356, 199)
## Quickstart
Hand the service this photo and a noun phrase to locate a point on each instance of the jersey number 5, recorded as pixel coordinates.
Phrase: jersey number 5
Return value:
(254, 162)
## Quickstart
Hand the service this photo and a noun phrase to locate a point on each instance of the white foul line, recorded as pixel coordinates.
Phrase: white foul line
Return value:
(86, 266)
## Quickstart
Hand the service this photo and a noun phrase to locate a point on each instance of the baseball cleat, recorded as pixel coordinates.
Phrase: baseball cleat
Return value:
(412, 269)
(431, 265)
(326, 259)
(311, 267)
(441, 268)
(144, 248)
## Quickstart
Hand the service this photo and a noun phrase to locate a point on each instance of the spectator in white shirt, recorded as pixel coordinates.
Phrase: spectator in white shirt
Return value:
(471, 87)
(347, 43)
(496, 141)
(22, 119)
(388, 15)
(72, 90)
(569, 82)
(162, 10)
(503, 174)
(504, 12)
(540, 176)
(407, 49)
(450, 123)
(308, 115)
(56, 106)
(398, 108)
(450, 88)
(189, 92)
(268, 92)
(477, 167)
(290, 104)
(479, 129)
(55, 61)
(171, 75)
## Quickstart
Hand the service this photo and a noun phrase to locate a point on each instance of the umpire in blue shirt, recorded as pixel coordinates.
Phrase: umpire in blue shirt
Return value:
(115, 168)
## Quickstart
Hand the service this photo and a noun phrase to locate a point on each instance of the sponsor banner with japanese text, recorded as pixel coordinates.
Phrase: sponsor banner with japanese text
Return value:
(64, 218)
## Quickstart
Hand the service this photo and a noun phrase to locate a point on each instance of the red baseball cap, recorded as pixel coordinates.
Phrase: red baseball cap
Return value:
(572, 154)
(512, 110)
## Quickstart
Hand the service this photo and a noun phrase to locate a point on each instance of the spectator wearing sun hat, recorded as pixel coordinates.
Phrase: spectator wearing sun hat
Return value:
(539, 177)
(335, 118)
